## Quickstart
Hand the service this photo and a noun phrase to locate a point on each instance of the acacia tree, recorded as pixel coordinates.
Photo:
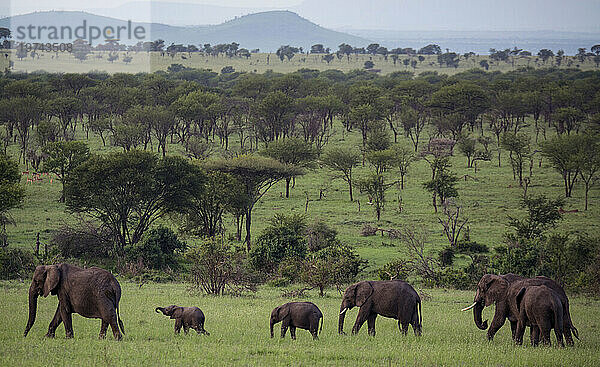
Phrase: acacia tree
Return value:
(203, 216)
(343, 161)
(374, 185)
(129, 191)
(11, 193)
(256, 175)
(291, 151)
(520, 149)
(590, 163)
(563, 151)
(63, 157)
(23, 113)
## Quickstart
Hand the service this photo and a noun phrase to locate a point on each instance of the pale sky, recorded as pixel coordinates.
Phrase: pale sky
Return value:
(396, 15)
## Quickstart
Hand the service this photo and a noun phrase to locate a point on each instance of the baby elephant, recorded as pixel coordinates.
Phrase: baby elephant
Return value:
(303, 315)
(188, 317)
(539, 307)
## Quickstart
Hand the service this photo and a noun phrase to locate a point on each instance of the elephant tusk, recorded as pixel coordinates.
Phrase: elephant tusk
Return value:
(344, 311)
(470, 307)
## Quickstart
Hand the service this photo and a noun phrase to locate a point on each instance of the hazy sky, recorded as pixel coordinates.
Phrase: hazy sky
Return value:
(421, 15)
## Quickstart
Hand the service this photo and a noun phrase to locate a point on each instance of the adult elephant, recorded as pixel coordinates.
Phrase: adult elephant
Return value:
(502, 290)
(390, 298)
(92, 293)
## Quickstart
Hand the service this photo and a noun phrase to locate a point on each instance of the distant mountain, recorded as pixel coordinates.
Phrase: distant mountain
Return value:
(173, 13)
(266, 31)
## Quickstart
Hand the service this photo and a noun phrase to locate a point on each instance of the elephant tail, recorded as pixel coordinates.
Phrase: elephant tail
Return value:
(420, 313)
(575, 332)
(120, 322)
(323, 320)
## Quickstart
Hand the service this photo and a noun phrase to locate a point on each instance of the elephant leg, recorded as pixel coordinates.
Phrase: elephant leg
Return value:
(103, 329)
(178, 324)
(114, 326)
(559, 338)
(545, 336)
(416, 325)
(293, 332)
(567, 330)
(371, 323)
(520, 330)
(496, 324)
(68, 321)
(284, 326)
(513, 329)
(186, 329)
(534, 335)
(56, 320)
(314, 328)
(362, 316)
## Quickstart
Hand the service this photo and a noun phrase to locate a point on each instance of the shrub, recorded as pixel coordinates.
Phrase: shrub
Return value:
(15, 263)
(457, 278)
(395, 269)
(334, 265)
(319, 236)
(447, 256)
(217, 266)
(84, 241)
(283, 238)
(157, 250)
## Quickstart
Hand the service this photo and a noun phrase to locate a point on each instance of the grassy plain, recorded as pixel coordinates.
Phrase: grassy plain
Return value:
(259, 63)
(240, 335)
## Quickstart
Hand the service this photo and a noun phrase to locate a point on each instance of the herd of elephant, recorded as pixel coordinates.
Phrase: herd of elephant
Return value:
(539, 303)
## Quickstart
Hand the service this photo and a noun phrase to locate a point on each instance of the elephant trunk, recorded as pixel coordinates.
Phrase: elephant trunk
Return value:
(33, 295)
(477, 311)
(159, 309)
(271, 323)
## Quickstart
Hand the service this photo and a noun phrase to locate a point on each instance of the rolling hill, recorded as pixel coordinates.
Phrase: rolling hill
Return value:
(265, 31)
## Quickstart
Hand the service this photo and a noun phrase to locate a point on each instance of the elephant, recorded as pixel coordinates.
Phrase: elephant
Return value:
(188, 317)
(389, 298)
(303, 315)
(502, 290)
(540, 308)
(92, 293)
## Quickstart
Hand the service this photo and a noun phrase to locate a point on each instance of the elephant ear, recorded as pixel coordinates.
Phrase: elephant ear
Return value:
(496, 290)
(52, 279)
(363, 292)
(520, 298)
(283, 311)
(177, 313)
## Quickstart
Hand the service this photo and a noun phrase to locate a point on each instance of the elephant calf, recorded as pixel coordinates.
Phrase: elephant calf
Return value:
(188, 317)
(303, 315)
(539, 307)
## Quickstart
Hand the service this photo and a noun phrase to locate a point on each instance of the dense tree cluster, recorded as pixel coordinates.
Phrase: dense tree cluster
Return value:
(281, 125)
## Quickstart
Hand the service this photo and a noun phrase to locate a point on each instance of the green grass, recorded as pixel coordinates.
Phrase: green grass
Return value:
(240, 335)
(150, 62)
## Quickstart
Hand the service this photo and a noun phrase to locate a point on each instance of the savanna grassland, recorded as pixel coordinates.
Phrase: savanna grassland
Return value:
(239, 325)
(262, 62)
(239, 329)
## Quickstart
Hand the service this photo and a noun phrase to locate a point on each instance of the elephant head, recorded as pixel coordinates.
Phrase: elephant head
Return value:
(490, 289)
(279, 313)
(173, 311)
(355, 295)
(46, 280)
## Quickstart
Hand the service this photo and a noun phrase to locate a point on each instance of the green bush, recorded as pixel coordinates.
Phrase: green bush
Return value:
(283, 238)
(15, 263)
(157, 250)
(457, 278)
(395, 269)
(319, 236)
